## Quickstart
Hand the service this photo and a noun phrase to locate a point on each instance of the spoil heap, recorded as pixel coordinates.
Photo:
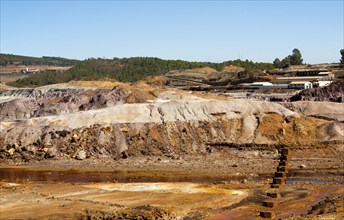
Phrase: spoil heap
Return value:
(333, 93)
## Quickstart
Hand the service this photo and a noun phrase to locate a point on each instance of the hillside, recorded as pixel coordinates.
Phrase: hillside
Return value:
(165, 120)
(129, 69)
(106, 142)
(10, 59)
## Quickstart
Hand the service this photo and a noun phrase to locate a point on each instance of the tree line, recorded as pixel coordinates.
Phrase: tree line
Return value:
(294, 59)
(10, 59)
(129, 69)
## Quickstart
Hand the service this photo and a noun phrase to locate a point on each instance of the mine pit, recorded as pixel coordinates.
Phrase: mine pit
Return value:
(136, 150)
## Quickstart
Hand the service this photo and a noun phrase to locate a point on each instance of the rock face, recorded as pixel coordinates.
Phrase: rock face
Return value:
(168, 125)
(28, 103)
(333, 93)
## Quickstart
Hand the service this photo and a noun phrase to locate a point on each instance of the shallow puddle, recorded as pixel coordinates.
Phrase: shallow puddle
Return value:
(21, 175)
(74, 176)
(305, 180)
(181, 187)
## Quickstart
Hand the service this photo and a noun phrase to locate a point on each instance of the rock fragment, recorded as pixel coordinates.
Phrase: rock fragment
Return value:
(81, 155)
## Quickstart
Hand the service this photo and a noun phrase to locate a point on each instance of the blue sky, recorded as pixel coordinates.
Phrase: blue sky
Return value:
(189, 30)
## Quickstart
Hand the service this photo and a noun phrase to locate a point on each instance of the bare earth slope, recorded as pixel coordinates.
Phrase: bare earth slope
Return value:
(326, 110)
(333, 93)
(109, 150)
(102, 122)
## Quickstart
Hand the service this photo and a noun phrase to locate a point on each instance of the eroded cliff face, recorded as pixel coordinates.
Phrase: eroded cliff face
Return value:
(331, 93)
(27, 103)
(168, 126)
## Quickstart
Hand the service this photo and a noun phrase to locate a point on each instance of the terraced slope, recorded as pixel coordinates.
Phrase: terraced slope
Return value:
(145, 121)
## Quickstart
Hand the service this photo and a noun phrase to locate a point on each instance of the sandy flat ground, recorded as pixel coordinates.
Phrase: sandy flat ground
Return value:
(213, 186)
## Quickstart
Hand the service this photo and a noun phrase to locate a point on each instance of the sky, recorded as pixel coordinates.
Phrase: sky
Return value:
(213, 31)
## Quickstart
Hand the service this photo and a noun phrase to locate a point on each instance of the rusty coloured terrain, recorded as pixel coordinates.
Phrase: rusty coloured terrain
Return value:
(109, 150)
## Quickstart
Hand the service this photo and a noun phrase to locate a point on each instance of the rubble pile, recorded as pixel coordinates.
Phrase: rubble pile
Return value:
(332, 93)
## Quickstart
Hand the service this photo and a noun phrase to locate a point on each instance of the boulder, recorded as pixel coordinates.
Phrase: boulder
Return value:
(81, 155)
(302, 166)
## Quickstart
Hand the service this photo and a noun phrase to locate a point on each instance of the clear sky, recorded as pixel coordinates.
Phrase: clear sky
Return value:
(189, 30)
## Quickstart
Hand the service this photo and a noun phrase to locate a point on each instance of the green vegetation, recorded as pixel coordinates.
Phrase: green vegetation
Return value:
(342, 53)
(9, 59)
(128, 69)
(277, 63)
(294, 59)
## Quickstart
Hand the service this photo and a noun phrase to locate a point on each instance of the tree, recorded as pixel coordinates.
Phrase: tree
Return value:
(277, 63)
(296, 58)
(286, 62)
(342, 53)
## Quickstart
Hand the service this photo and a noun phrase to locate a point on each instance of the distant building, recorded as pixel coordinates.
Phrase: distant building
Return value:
(326, 76)
(317, 78)
(300, 85)
(260, 85)
(267, 85)
(323, 83)
(28, 71)
(279, 86)
(289, 79)
(308, 72)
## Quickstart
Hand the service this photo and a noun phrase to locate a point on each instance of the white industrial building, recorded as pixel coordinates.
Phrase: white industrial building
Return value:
(300, 85)
(322, 83)
(318, 79)
(291, 85)
(260, 85)
(268, 85)
(326, 76)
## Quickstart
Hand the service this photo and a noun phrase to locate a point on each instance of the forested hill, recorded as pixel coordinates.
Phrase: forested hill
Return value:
(129, 69)
(10, 59)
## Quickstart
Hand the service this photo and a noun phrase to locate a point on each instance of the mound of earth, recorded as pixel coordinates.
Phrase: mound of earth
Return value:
(171, 124)
(208, 75)
(141, 133)
(140, 119)
(323, 110)
(196, 74)
(70, 97)
(229, 73)
(100, 83)
(232, 68)
(332, 93)
(155, 81)
(206, 69)
(43, 102)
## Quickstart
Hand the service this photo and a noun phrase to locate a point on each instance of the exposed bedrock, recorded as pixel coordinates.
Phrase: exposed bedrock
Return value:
(27, 103)
(168, 129)
(331, 93)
